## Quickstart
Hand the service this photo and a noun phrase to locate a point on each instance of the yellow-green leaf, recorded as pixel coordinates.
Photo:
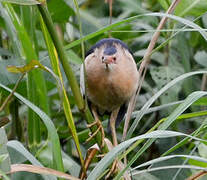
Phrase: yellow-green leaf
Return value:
(26, 68)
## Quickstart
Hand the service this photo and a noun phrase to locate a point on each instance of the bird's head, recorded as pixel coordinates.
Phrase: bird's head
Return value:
(109, 54)
(109, 51)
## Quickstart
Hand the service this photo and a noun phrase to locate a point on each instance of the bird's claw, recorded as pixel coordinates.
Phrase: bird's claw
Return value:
(100, 155)
(112, 170)
(100, 127)
(92, 124)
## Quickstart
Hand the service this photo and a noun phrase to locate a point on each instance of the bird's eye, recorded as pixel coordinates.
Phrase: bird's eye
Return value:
(102, 57)
(114, 58)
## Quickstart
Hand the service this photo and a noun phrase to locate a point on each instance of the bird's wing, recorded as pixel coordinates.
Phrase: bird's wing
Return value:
(82, 86)
(82, 81)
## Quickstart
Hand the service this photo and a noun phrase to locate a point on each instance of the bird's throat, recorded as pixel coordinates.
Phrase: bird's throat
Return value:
(108, 67)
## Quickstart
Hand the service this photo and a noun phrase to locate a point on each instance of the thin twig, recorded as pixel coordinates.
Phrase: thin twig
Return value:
(110, 10)
(204, 80)
(11, 94)
(110, 13)
(3, 121)
(145, 63)
(197, 176)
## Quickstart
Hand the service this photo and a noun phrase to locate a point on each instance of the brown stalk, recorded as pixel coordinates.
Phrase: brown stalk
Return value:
(110, 13)
(204, 80)
(144, 65)
(39, 170)
(3, 121)
(91, 153)
(198, 175)
(11, 94)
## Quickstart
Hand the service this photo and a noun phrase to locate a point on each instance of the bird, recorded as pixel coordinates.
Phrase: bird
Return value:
(111, 79)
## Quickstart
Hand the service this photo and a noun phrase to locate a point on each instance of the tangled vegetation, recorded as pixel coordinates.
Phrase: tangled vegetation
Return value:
(43, 116)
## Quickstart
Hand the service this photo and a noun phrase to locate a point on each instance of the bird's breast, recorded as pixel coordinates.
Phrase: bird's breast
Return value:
(110, 88)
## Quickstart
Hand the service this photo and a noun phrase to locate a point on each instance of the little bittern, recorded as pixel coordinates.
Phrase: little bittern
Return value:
(111, 78)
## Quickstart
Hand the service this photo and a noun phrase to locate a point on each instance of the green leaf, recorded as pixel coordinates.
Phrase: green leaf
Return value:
(202, 150)
(197, 163)
(17, 149)
(164, 4)
(163, 75)
(110, 156)
(182, 107)
(66, 104)
(33, 64)
(201, 58)
(36, 85)
(144, 176)
(8, 78)
(133, 18)
(200, 129)
(12, 33)
(4, 156)
(69, 164)
(160, 159)
(204, 20)
(132, 6)
(3, 174)
(191, 7)
(73, 57)
(170, 167)
(201, 102)
(172, 117)
(184, 50)
(156, 96)
(52, 132)
(60, 11)
(22, 2)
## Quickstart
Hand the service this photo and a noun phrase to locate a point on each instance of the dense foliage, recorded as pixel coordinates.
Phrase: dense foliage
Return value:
(44, 122)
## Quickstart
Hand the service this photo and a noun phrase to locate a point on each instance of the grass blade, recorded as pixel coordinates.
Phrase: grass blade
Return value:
(36, 82)
(161, 159)
(155, 97)
(133, 18)
(4, 156)
(52, 132)
(173, 116)
(110, 156)
(24, 152)
(66, 104)
(170, 167)
(22, 2)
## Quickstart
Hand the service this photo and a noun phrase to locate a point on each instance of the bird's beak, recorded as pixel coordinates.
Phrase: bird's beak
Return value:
(108, 60)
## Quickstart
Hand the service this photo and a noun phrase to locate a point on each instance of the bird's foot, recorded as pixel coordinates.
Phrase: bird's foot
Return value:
(112, 170)
(100, 155)
(100, 128)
